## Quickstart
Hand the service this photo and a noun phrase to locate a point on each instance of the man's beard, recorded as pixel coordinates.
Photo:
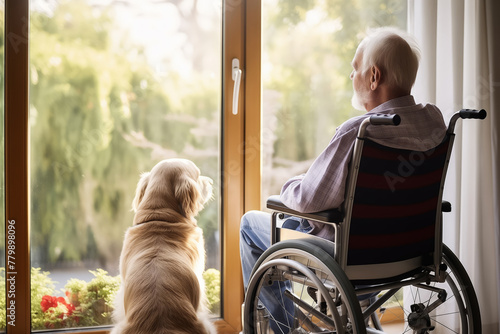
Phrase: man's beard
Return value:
(356, 103)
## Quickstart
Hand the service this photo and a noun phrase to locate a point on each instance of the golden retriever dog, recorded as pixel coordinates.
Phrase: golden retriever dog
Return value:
(163, 257)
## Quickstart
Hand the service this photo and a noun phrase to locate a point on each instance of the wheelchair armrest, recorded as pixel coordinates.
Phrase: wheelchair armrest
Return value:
(327, 216)
(445, 206)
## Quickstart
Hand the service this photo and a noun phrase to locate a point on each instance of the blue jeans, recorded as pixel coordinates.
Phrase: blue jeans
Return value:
(255, 239)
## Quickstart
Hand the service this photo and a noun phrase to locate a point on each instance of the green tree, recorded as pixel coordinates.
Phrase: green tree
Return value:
(99, 118)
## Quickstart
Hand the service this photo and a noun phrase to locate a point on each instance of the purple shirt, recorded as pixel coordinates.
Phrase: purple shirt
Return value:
(323, 186)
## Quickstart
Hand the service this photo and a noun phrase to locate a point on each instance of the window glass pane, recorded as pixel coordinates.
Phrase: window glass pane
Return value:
(3, 318)
(115, 87)
(308, 47)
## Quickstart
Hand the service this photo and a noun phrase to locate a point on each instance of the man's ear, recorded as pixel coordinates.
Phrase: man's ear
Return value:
(375, 77)
(141, 189)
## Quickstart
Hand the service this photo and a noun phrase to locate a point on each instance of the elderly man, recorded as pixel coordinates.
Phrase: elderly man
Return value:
(384, 70)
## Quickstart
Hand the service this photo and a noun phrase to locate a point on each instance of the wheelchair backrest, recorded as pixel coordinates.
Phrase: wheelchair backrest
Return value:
(390, 223)
(395, 218)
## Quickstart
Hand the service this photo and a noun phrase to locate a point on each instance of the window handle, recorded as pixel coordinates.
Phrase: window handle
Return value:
(236, 72)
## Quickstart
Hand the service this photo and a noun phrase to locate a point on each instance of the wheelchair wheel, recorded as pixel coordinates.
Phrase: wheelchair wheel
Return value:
(426, 310)
(312, 294)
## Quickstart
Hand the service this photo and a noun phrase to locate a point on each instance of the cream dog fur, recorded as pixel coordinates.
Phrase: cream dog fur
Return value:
(163, 256)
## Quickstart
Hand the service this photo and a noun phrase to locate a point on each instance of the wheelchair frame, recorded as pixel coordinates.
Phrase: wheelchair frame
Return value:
(284, 258)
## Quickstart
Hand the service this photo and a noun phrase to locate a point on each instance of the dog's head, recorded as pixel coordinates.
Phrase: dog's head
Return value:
(174, 184)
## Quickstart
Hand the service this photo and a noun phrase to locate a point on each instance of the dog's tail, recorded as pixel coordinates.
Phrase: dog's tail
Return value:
(163, 302)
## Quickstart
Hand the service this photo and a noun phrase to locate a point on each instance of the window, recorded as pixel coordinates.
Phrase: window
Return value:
(307, 51)
(114, 87)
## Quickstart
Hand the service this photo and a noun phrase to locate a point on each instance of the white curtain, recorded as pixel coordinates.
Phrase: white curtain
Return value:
(460, 43)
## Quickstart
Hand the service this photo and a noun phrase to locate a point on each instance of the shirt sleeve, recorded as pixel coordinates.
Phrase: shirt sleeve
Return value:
(323, 186)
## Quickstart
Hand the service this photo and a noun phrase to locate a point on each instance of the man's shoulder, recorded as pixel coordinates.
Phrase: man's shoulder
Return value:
(352, 123)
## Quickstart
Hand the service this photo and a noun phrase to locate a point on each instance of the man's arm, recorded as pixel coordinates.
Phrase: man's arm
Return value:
(323, 186)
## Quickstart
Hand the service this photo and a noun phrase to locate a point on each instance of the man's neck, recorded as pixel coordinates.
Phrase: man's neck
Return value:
(382, 95)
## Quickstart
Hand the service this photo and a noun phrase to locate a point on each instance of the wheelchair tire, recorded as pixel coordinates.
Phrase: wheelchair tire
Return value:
(315, 275)
(458, 314)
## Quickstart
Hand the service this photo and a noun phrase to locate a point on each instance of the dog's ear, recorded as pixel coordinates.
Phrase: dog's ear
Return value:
(186, 194)
(141, 189)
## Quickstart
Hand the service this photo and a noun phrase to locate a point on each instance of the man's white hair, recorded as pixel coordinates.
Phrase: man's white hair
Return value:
(395, 53)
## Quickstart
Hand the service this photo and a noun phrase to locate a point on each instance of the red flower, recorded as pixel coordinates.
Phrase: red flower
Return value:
(48, 302)
(70, 308)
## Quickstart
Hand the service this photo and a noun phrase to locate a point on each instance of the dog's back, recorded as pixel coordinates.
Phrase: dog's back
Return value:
(161, 292)
(164, 303)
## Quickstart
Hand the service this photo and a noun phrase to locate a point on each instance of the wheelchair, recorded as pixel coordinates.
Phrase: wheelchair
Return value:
(387, 259)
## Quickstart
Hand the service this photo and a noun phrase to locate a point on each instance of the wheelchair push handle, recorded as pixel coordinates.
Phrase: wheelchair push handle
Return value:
(465, 114)
(385, 119)
(378, 119)
(472, 113)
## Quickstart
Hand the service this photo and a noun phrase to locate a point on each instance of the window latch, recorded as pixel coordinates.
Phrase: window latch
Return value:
(236, 75)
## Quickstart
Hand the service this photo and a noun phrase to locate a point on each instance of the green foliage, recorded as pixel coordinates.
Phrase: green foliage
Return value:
(292, 12)
(71, 128)
(212, 287)
(85, 303)
(93, 300)
(41, 285)
(103, 286)
(99, 117)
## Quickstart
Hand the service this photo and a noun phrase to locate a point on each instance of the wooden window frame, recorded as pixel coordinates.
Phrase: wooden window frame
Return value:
(17, 271)
(241, 162)
(241, 146)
